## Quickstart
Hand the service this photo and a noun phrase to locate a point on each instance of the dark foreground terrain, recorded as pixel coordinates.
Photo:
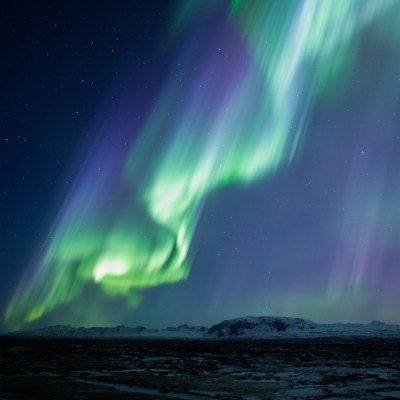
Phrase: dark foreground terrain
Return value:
(319, 368)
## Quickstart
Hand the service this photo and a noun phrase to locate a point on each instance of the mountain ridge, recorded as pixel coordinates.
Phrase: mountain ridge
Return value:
(250, 327)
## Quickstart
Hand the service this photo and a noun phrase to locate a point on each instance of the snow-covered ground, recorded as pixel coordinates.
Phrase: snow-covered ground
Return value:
(323, 368)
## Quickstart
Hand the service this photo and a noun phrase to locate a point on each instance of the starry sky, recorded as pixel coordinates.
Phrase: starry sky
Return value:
(186, 161)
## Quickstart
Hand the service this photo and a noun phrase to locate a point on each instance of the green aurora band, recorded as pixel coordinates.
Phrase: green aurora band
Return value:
(235, 113)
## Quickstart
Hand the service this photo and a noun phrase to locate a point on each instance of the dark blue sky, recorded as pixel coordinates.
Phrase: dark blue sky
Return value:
(313, 230)
(61, 63)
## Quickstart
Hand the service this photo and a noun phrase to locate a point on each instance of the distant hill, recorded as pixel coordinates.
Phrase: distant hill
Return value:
(237, 328)
(184, 331)
(259, 326)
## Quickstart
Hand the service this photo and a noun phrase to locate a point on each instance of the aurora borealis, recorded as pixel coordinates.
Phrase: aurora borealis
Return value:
(263, 178)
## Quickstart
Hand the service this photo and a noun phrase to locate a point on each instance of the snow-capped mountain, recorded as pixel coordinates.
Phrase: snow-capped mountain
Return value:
(249, 327)
(374, 328)
(275, 327)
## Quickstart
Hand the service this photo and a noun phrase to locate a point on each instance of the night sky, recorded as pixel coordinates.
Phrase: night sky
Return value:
(189, 161)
